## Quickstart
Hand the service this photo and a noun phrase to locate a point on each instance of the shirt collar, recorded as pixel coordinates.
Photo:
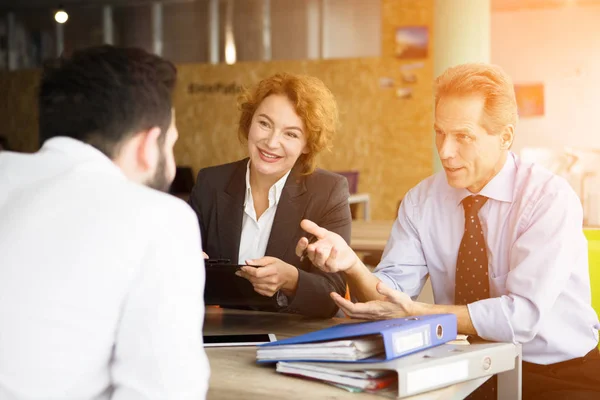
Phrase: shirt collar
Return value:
(500, 188)
(80, 151)
(274, 192)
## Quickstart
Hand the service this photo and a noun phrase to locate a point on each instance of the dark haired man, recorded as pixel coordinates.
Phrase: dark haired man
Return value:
(101, 277)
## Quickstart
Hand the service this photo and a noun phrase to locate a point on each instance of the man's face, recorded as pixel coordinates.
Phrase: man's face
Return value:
(470, 155)
(165, 167)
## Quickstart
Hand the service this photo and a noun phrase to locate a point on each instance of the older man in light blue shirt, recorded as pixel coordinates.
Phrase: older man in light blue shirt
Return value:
(535, 288)
(537, 259)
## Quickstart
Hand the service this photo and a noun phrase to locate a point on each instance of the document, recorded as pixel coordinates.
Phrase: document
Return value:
(337, 350)
(370, 380)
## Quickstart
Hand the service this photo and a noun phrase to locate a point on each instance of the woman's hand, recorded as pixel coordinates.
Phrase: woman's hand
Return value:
(268, 275)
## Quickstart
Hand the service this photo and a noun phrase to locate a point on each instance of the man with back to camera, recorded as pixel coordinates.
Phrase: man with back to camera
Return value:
(501, 240)
(101, 278)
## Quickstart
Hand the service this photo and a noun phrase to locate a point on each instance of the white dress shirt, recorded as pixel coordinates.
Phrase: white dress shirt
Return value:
(256, 231)
(537, 258)
(101, 282)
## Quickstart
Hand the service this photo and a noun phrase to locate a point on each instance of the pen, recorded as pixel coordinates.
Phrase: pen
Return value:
(217, 261)
(311, 240)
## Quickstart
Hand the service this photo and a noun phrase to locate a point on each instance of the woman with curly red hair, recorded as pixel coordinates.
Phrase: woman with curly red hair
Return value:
(250, 210)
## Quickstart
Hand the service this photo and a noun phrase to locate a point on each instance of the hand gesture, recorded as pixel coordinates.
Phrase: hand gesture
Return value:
(329, 252)
(395, 305)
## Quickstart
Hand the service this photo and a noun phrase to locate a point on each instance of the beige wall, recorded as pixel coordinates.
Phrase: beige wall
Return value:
(289, 30)
(559, 48)
(352, 28)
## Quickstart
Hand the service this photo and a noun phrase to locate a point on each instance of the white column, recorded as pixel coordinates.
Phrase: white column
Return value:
(314, 24)
(461, 34)
(324, 28)
(266, 30)
(230, 50)
(11, 39)
(60, 38)
(213, 31)
(157, 28)
(107, 25)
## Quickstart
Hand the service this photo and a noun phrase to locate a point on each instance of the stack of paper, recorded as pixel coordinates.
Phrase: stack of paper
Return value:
(362, 380)
(462, 340)
(337, 350)
(352, 345)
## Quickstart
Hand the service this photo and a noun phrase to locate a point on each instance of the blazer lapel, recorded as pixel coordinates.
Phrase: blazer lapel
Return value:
(290, 211)
(230, 211)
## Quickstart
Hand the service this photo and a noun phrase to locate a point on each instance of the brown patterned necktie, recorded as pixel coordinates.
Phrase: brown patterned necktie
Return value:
(472, 282)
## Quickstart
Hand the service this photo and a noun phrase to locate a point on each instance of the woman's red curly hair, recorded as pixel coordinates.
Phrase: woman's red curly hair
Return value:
(313, 101)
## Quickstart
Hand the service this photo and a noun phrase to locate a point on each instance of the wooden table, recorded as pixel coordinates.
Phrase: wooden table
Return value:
(235, 374)
(370, 236)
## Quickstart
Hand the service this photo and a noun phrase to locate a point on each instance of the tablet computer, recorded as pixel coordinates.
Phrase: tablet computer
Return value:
(252, 339)
(224, 288)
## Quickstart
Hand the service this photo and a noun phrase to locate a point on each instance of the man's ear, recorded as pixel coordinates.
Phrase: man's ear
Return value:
(148, 148)
(507, 136)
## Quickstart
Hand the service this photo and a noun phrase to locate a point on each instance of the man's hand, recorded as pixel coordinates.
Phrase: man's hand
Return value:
(395, 305)
(268, 275)
(329, 252)
(205, 256)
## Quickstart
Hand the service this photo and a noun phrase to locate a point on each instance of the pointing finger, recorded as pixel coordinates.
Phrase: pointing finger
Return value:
(314, 229)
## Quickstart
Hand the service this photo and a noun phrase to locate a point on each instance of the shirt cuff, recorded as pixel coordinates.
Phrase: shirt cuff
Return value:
(490, 321)
(393, 284)
(282, 300)
(387, 281)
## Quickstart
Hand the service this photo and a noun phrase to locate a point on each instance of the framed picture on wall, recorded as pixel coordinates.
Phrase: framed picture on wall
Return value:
(412, 42)
(530, 99)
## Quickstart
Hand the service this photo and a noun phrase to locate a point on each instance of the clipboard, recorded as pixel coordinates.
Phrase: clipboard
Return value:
(224, 288)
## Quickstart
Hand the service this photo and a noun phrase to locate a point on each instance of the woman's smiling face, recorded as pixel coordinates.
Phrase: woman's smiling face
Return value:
(276, 138)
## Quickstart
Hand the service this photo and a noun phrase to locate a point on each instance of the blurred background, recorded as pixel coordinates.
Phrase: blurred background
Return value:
(185, 29)
(379, 57)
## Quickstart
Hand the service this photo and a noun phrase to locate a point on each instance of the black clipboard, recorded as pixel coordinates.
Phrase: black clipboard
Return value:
(224, 288)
